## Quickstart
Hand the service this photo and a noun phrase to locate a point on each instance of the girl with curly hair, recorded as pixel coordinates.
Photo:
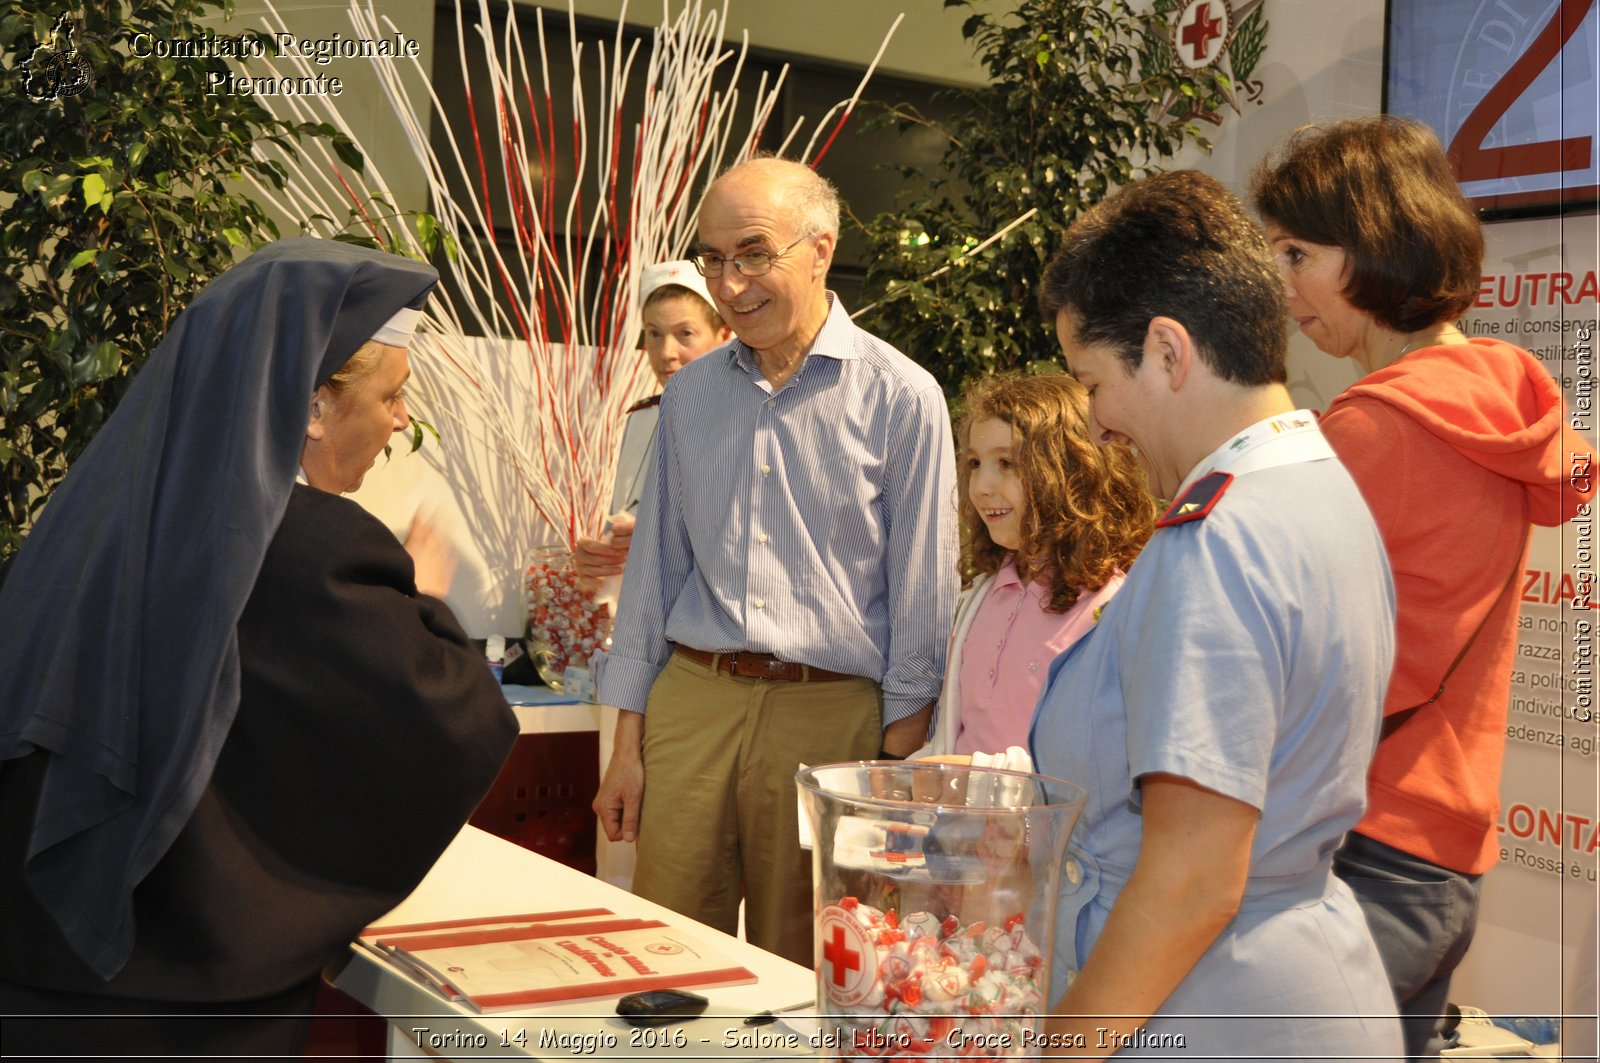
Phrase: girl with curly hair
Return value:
(1050, 521)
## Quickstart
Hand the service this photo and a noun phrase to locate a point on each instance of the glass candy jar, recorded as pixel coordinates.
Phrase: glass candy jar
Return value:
(565, 623)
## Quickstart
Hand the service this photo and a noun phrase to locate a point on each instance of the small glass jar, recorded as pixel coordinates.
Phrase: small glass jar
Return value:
(566, 625)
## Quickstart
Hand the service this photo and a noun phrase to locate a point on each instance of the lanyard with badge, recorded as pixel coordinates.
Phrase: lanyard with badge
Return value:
(1286, 439)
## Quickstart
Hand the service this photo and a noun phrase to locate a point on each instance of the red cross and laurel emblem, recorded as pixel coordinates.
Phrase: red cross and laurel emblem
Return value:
(849, 965)
(1202, 31)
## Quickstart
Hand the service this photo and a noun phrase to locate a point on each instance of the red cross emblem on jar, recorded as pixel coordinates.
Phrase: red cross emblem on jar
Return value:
(1200, 34)
(848, 967)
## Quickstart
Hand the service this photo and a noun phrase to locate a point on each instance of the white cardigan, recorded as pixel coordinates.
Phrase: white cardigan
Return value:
(947, 720)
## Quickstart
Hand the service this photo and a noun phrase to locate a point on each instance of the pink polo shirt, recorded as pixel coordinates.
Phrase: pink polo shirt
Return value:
(1007, 654)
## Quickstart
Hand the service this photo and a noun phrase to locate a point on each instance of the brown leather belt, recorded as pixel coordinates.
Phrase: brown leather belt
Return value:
(760, 666)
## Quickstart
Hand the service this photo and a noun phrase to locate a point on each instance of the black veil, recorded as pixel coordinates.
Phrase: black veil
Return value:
(118, 651)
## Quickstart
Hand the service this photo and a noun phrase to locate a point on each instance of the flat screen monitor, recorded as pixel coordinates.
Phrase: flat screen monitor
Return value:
(1512, 87)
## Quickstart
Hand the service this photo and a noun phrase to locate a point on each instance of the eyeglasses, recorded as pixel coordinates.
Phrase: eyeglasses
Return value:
(748, 263)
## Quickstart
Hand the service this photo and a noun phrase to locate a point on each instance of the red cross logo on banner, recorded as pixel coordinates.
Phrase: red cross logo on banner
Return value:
(849, 965)
(1200, 34)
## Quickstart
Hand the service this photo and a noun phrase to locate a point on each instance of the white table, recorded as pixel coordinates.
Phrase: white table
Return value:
(481, 875)
(541, 798)
(541, 710)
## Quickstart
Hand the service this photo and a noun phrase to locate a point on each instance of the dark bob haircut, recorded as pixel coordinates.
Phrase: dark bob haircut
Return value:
(1177, 245)
(1381, 190)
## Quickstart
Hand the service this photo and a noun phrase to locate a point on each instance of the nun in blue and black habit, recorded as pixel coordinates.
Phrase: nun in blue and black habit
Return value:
(232, 731)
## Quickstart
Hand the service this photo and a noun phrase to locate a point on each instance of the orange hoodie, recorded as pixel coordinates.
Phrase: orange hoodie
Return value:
(1456, 449)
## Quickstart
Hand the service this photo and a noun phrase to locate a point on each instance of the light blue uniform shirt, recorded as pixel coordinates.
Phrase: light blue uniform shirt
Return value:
(1249, 652)
(816, 522)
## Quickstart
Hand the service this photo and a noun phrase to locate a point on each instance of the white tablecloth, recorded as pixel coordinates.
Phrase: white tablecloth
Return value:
(481, 875)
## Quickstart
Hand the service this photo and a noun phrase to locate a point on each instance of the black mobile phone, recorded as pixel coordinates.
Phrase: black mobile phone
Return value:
(660, 1006)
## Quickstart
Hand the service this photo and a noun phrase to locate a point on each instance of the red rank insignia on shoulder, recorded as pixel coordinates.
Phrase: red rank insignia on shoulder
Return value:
(1197, 501)
(644, 404)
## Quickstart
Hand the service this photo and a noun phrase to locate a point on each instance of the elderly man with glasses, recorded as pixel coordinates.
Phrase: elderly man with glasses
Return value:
(792, 575)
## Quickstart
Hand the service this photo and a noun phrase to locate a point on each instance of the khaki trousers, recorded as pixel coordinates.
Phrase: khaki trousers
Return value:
(718, 820)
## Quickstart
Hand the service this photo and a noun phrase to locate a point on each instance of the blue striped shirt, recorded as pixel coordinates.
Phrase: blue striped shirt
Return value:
(817, 522)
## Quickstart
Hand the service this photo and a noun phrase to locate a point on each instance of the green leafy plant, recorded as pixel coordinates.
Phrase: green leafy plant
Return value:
(1084, 97)
(119, 199)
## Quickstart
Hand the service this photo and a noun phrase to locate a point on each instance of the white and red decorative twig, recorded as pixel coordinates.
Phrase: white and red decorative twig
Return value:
(535, 411)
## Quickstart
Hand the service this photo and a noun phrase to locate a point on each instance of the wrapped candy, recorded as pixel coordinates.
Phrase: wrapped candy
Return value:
(942, 988)
(565, 623)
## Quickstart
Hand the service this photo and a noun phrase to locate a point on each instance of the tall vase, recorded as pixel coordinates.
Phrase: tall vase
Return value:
(565, 623)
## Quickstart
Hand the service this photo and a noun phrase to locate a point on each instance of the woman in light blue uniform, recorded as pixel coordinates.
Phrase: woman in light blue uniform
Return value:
(1223, 713)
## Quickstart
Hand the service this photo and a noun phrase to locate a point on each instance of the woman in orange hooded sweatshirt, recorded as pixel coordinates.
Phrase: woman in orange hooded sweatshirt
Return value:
(1458, 446)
